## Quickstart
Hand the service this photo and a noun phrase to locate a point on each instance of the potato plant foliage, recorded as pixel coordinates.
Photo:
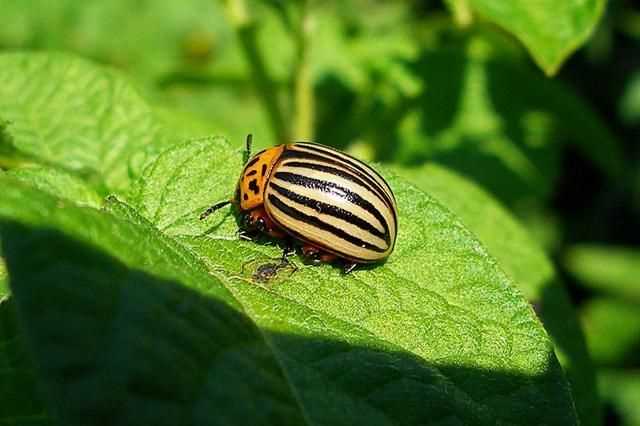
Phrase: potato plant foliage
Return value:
(119, 306)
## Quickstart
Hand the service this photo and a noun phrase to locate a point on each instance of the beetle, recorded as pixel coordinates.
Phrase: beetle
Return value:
(335, 205)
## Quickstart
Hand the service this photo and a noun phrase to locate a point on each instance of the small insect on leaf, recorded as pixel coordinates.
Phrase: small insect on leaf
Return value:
(265, 272)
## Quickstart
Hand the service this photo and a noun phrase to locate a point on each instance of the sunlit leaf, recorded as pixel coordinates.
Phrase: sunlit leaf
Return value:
(520, 257)
(551, 30)
(179, 185)
(66, 112)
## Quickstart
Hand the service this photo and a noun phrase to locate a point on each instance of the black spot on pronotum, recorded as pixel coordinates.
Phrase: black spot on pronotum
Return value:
(253, 161)
(264, 170)
(245, 196)
(253, 185)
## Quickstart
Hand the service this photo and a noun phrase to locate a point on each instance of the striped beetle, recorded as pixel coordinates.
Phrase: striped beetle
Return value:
(334, 204)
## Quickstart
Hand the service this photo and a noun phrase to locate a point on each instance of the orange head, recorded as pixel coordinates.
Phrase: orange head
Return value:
(251, 186)
(249, 193)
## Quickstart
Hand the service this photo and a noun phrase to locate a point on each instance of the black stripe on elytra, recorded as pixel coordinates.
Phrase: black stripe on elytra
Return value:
(345, 158)
(373, 186)
(325, 186)
(264, 170)
(251, 172)
(348, 175)
(331, 210)
(316, 222)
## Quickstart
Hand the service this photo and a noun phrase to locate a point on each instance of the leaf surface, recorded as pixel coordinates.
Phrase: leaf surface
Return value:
(107, 304)
(59, 183)
(532, 272)
(439, 281)
(65, 112)
(439, 333)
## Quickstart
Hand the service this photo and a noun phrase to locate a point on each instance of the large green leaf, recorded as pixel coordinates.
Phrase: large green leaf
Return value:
(109, 298)
(128, 326)
(527, 265)
(439, 279)
(551, 30)
(610, 269)
(339, 344)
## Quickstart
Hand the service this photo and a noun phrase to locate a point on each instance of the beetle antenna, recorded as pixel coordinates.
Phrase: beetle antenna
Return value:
(247, 151)
(213, 208)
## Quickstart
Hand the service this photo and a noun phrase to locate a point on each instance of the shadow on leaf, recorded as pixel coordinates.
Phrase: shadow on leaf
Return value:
(115, 345)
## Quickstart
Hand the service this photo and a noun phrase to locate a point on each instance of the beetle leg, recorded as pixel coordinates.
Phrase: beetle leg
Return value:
(311, 254)
(213, 208)
(287, 250)
(285, 262)
(348, 267)
(317, 256)
(244, 236)
(261, 225)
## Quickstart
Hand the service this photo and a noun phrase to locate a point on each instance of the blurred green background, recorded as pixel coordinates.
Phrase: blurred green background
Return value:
(546, 118)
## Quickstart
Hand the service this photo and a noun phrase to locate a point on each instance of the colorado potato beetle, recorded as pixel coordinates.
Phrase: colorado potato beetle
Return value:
(332, 203)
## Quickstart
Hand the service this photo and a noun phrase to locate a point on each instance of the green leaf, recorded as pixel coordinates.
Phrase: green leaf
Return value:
(134, 302)
(550, 30)
(440, 297)
(520, 257)
(126, 325)
(621, 388)
(612, 328)
(494, 226)
(68, 113)
(58, 183)
(611, 269)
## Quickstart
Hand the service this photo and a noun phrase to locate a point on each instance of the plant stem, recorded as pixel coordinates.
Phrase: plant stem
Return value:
(246, 31)
(304, 100)
(462, 14)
